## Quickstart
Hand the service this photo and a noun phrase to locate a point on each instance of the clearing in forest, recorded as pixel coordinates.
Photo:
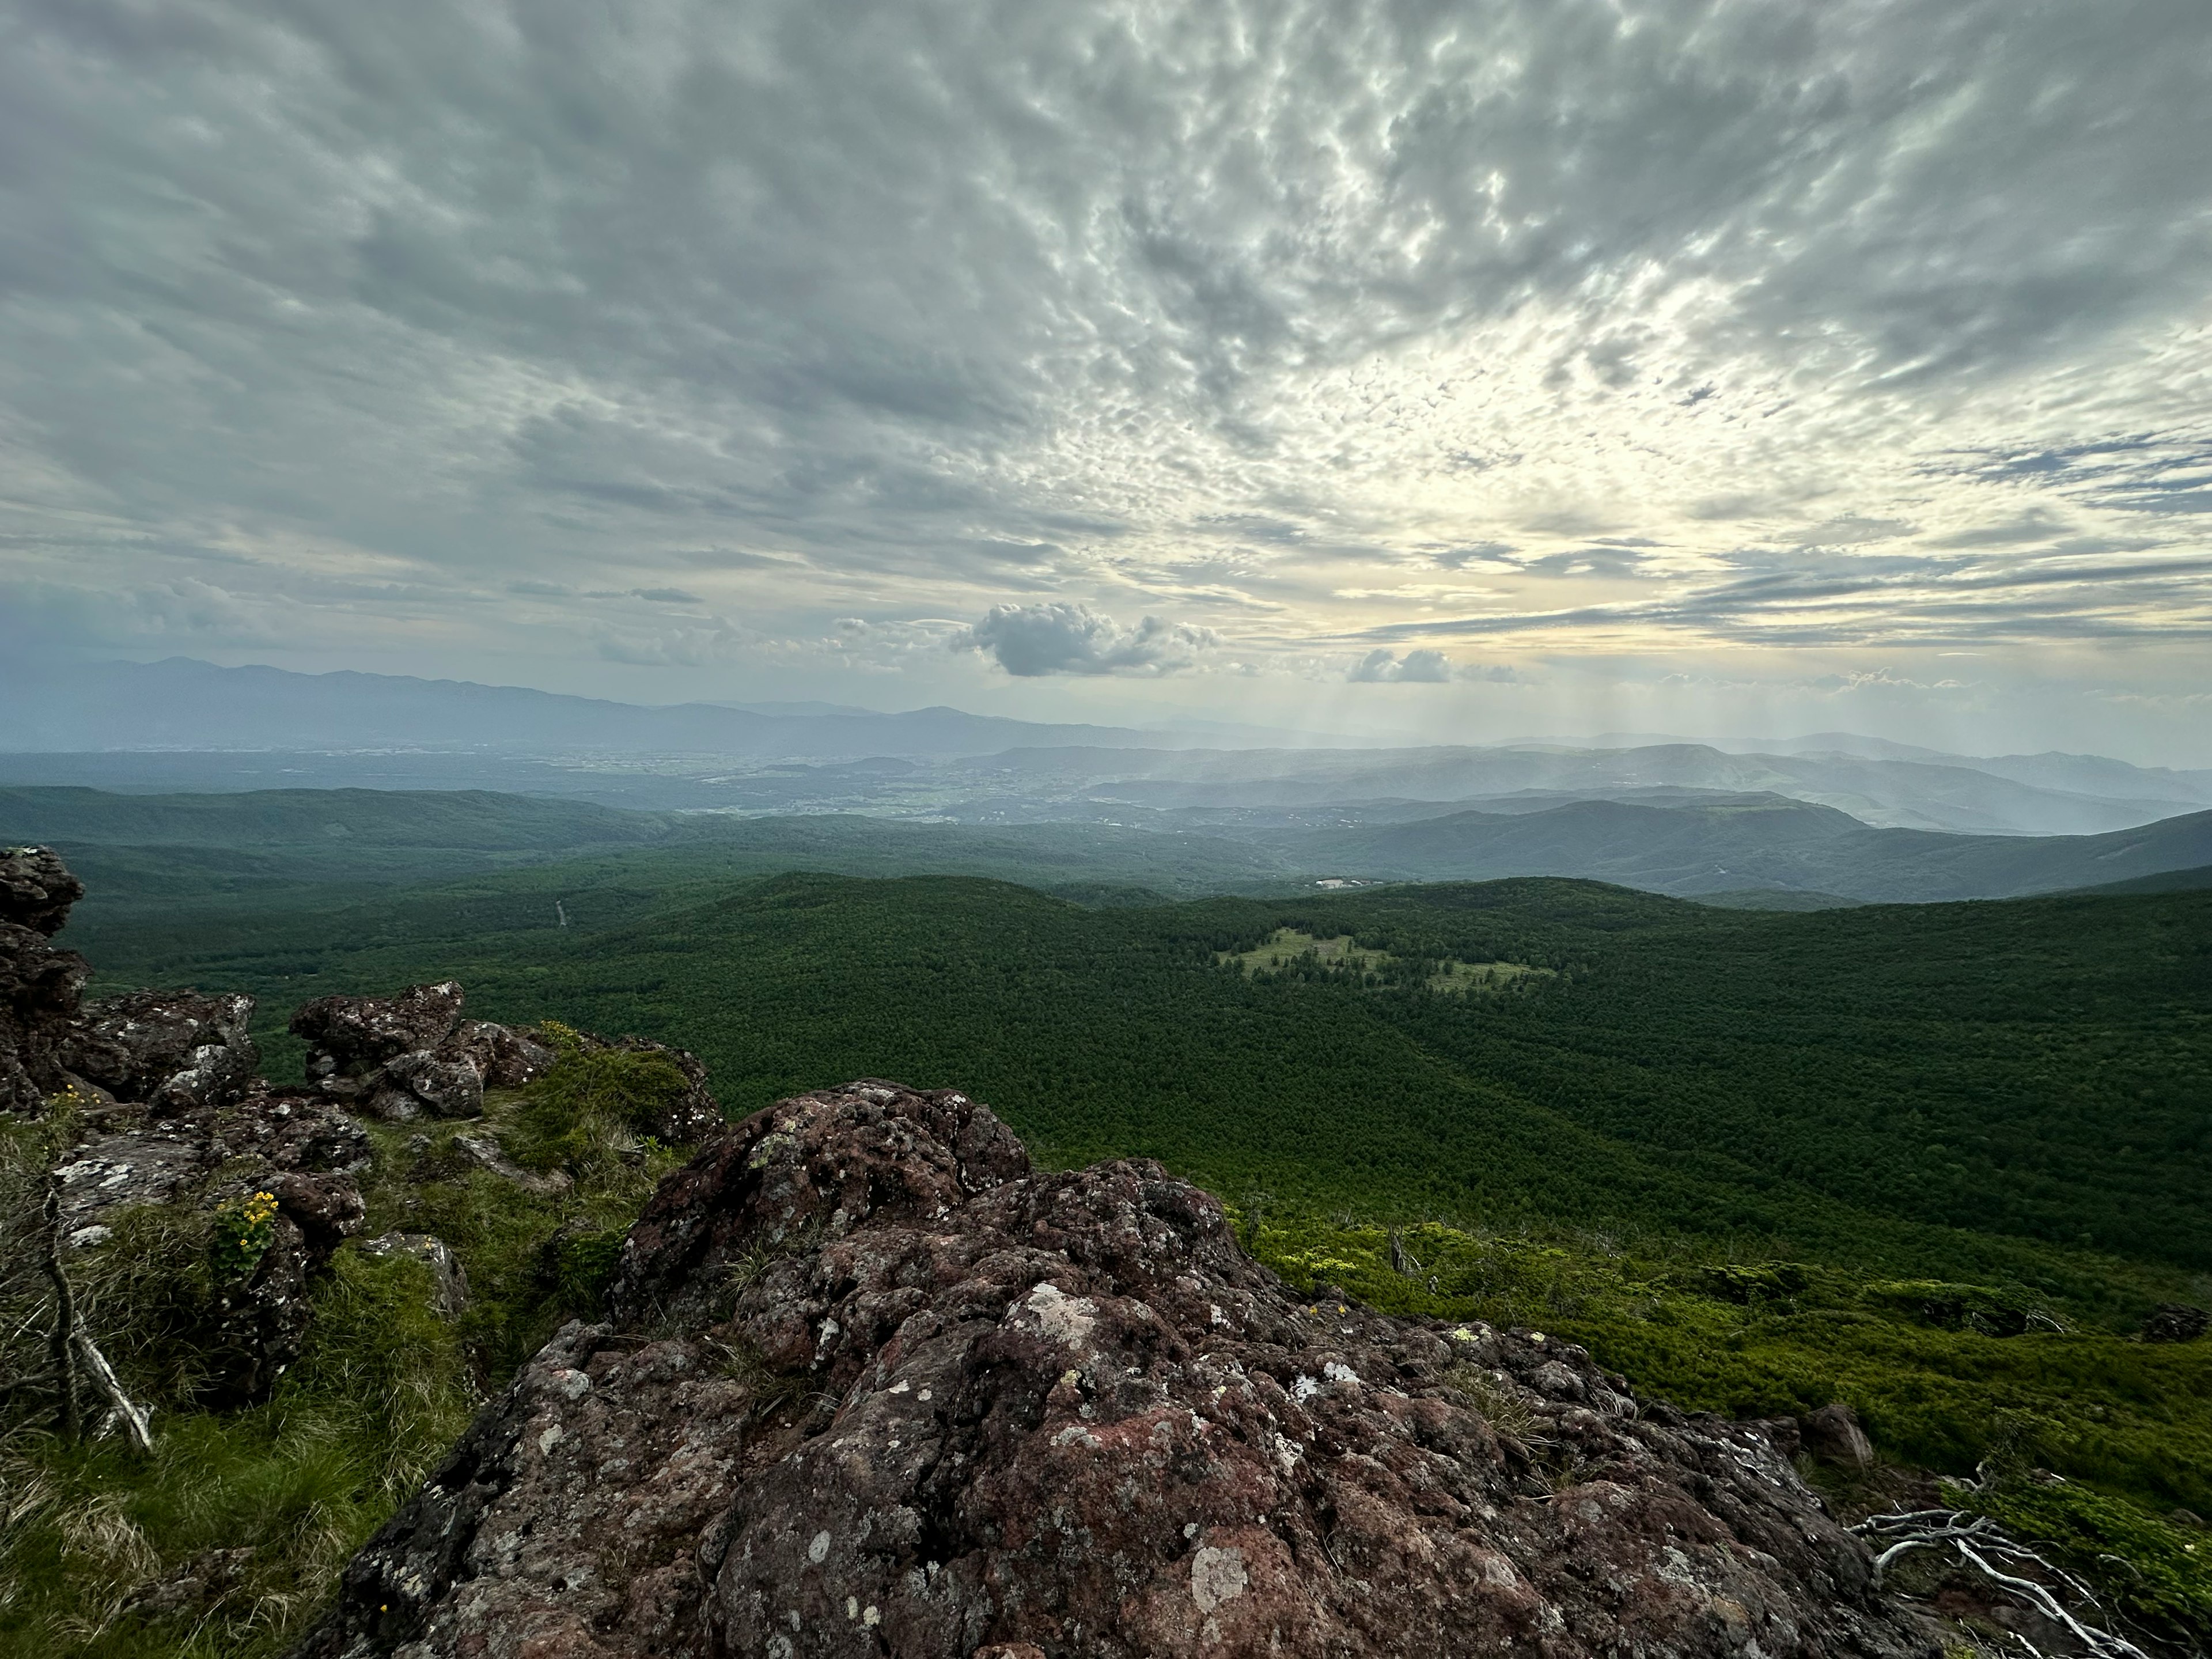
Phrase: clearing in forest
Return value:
(1286, 947)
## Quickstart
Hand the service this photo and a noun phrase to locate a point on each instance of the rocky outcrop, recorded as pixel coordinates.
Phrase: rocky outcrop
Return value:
(40, 987)
(348, 1038)
(870, 1385)
(36, 890)
(685, 1118)
(2175, 1322)
(176, 1051)
(411, 1055)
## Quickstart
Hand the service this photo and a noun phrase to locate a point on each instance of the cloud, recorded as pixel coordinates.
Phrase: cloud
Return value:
(1252, 313)
(666, 647)
(1380, 666)
(1059, 638)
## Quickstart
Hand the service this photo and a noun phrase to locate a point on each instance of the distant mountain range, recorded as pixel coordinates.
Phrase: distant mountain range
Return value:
(1754, 842)
(1953, 792)
(181, 725)
(1738, 847)
(182, 704)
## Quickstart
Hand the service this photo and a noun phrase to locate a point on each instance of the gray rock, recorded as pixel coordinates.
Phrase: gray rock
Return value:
(504, 1057)
(2175, 1322)
(350, 1037)
(112, 1173)
(413, 1084)
(177, 1051)
(485, 1153)
(36, 890)
(1832, 1434)
(298, 1132)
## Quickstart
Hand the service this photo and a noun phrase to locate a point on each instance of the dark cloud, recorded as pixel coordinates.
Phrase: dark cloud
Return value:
(1028, 640)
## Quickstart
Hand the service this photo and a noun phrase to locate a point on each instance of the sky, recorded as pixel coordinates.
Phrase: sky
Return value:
(1467, 370)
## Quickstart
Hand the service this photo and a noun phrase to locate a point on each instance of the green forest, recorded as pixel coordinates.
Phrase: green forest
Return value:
(1938, 1162)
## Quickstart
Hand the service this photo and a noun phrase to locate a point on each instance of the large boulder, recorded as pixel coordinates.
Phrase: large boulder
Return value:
(870, 1385)
(350, 1038)
(40, 987)
(177, 1051)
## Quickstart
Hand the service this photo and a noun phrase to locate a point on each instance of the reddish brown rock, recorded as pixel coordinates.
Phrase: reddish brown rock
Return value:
(871, 1386)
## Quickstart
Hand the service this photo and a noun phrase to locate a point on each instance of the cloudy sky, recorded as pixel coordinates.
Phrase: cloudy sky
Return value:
(1475, 369)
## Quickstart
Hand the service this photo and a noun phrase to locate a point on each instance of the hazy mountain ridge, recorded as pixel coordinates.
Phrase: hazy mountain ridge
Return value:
(383, 731)
(180, 702)
(1751, 842)
(1917, 794)
(1686, 845)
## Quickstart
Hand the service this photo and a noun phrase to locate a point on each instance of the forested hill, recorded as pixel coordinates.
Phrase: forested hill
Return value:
(2034, 1070)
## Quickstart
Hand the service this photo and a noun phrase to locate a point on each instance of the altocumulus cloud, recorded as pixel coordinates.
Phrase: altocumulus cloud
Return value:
(368, 315)
(1059, 638)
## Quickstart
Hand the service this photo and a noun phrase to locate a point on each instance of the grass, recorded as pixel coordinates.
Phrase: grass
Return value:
(223, 1543)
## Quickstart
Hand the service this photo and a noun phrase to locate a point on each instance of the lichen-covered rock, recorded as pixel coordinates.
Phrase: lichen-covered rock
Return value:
(505, 1058)
(296, 1132)
(426, 1081)
(412, 1055)
(871, 1386)
(350, 1038)
(40, 987)
(176, 1051)
(159, 1163)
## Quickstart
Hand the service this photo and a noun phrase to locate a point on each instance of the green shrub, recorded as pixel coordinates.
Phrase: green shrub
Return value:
(593, 1108)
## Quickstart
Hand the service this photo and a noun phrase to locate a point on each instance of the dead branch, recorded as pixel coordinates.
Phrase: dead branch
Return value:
(134, 1418)
(1979, 1541)
(70, 1420)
